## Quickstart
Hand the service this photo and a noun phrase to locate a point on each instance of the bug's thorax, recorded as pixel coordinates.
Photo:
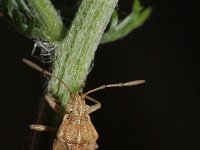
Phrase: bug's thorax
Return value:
(76, 106)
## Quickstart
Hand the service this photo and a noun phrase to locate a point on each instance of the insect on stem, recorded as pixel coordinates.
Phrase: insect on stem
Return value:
(38, 68)
(76, 130)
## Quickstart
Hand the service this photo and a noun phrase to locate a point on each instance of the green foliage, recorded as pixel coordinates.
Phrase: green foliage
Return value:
(48, 20)
(34, 19)
(18, 14)
(135, 19)
(26, 18)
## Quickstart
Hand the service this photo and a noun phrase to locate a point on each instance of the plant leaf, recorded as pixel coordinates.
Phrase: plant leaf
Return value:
(7, 7)
(136, 6)
(18, 20)
(30, 28)
(19, 14)
(114, 20)
(23, 6)
(134, 20)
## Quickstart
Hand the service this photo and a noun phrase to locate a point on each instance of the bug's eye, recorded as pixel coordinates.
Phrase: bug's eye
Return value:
(70, 110)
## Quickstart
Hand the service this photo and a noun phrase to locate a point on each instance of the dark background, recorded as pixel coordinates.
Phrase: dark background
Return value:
(161, 114)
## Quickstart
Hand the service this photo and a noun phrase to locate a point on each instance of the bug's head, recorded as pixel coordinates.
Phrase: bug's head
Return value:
(76, 105)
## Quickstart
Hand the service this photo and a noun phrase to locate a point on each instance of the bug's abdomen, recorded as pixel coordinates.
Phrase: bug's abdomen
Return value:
(61, 145)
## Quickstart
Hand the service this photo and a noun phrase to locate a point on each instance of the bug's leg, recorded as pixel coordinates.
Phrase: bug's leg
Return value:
(52, 103)
(94, 107)
(38, 127)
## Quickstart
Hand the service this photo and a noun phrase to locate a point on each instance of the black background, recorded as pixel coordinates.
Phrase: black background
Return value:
(161, 114)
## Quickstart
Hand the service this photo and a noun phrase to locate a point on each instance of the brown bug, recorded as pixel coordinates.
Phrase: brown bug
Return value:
(76, 131)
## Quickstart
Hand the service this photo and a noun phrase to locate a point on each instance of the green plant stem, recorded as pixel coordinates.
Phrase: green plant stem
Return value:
(49, 20)
(76, 52)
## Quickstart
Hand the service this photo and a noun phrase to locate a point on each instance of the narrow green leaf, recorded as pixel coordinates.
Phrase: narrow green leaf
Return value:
(136, 6)
(49, 20)
(114, 20)
(7, 7)
(134, 20)
(4, 4)
(18, 20)
(22, 5)
(37, 33)
(128, 22)
(144, 15)
(31, 25)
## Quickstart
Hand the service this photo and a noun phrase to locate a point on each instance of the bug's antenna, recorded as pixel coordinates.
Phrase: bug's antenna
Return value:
(130, 83)
(38, 68)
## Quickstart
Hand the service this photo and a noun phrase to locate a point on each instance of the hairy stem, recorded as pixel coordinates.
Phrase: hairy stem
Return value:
(49, 21)
(76, 52)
